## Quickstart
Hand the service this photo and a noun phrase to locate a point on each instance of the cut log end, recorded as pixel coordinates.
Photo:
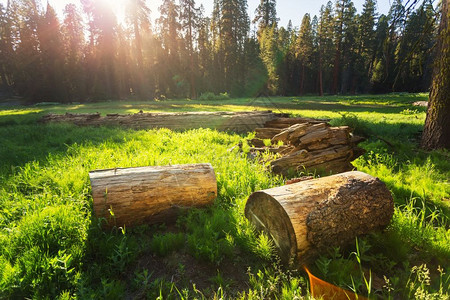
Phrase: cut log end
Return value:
(269, 217)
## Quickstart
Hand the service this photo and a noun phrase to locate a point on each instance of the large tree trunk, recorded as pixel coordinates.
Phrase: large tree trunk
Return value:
(337, 62)
(302, 79)
(320, 75)
(308, 217)
(149, 195)
(436, 133)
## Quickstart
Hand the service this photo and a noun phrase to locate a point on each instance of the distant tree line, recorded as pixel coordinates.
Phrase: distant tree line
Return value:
(89, 55)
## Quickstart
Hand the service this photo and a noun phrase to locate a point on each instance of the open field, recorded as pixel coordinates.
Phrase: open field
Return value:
(52, 246)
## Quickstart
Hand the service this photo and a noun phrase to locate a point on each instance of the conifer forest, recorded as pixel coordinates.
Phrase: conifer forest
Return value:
(85, 53)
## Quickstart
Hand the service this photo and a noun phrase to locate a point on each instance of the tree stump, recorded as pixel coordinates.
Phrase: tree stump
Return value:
(308, 217)
(149, 195)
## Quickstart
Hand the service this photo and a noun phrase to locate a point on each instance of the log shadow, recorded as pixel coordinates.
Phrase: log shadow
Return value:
(132, 262)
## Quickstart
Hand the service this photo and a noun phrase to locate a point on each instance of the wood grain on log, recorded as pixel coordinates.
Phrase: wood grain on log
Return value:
(223, 121)
(291, 133)
(315, 136)
(303, 158)
(308, 217)
(151, 194)
(313, 146)
(287, 122)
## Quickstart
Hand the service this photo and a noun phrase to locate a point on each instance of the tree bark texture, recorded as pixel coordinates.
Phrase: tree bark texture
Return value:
(436, 132)
(309, 146)
(306, 218)
(287, 122)
(241, 122)
(148, 195)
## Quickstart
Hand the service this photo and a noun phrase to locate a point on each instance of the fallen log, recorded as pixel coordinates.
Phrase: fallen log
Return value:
(291, 133)
(287, 122)
(149, 195)
(240, 122)
(308, 217)
(302, 159)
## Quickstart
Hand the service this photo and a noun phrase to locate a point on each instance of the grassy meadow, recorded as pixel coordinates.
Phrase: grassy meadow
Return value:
(53, 247)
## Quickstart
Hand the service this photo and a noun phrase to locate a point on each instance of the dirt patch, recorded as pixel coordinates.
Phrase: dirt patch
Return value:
(185, 271)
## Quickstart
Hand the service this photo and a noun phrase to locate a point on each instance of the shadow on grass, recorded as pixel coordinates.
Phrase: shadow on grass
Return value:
(35, 142)
(392, 103)
(130, 264)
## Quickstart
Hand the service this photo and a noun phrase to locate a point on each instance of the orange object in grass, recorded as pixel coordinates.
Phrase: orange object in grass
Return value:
(323, 290)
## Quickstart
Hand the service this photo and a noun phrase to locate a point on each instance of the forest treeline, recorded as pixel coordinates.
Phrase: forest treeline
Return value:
(89, 55)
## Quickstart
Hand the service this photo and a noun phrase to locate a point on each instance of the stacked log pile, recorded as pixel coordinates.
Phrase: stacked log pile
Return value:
(240, 122)
(308, 144)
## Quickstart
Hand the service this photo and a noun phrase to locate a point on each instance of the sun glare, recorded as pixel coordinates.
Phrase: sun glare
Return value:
(117, 6)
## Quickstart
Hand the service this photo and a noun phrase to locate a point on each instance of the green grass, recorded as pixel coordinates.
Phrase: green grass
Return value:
(51, 245)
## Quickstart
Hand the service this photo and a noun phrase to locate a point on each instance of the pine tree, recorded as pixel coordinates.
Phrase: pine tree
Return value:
(74, 42)
(52, 56)
(270, 56)
(413, 52)
(349, 56)
(305, 49)
(343, 18)
(27, 18)
(107, 38)
(101, 51)
(205, 53)
(130, 77)
(325, 45)
(397, 21)
(138, 18)
(190, 18)
(169, 31)
(255, 72)
(314, 87)
(285, 61)
(366, 46)
(378, 76)
(230, 28)
(7, 55)
(266, 15)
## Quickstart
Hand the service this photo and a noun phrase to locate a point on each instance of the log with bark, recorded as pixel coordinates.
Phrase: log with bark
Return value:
(148, 195)
(306, 218)
(309, 146)
(284, 122)
(240, 122)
